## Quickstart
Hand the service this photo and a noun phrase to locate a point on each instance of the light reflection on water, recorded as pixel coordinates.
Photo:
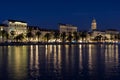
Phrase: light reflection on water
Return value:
(60, 62)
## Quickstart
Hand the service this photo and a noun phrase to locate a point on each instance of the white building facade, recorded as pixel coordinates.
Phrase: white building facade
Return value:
(15, 25)
(67, 28)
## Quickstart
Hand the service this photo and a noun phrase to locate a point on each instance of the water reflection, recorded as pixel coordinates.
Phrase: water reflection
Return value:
(111, 60)
(60, 62)
(13, 63)
(33, 61)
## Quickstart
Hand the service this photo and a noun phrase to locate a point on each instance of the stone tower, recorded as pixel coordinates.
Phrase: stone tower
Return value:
(93, 25)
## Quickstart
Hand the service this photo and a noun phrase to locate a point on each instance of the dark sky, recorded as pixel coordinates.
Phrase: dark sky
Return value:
(48, 13)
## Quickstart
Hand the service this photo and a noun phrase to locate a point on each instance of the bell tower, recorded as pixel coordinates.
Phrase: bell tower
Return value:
(93, 25)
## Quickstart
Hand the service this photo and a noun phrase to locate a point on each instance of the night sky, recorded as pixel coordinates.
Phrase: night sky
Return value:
(48, 13)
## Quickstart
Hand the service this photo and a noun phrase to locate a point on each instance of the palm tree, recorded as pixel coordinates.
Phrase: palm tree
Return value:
(7, 36)
(29, 29)
(47, 36)
(4, 35)
(119, 37)
(69, 38)
(116, 37)
(83, 35)
(1, 36)
(98, 38)
(29, 35)
(19, 37)
(56, 35)
(12, 34)
(111, 37)
(63, 36)
(38, 33)
(75, 36)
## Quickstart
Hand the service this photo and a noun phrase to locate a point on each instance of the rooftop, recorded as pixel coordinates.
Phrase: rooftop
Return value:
(111, 30)
(16, 21)
(41, 29)
(93, 21)
(67, 25)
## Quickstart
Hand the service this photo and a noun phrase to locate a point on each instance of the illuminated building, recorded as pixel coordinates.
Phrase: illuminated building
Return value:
(67, 28)
(19, 27)
(1, 27)
(43, 32)
(14, 25)
(112, 34)
(98, 33)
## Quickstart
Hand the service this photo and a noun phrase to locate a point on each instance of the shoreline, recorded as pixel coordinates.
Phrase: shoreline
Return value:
(51, 43)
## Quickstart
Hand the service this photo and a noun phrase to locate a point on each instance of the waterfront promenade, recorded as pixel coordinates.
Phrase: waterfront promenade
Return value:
(52, 43)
